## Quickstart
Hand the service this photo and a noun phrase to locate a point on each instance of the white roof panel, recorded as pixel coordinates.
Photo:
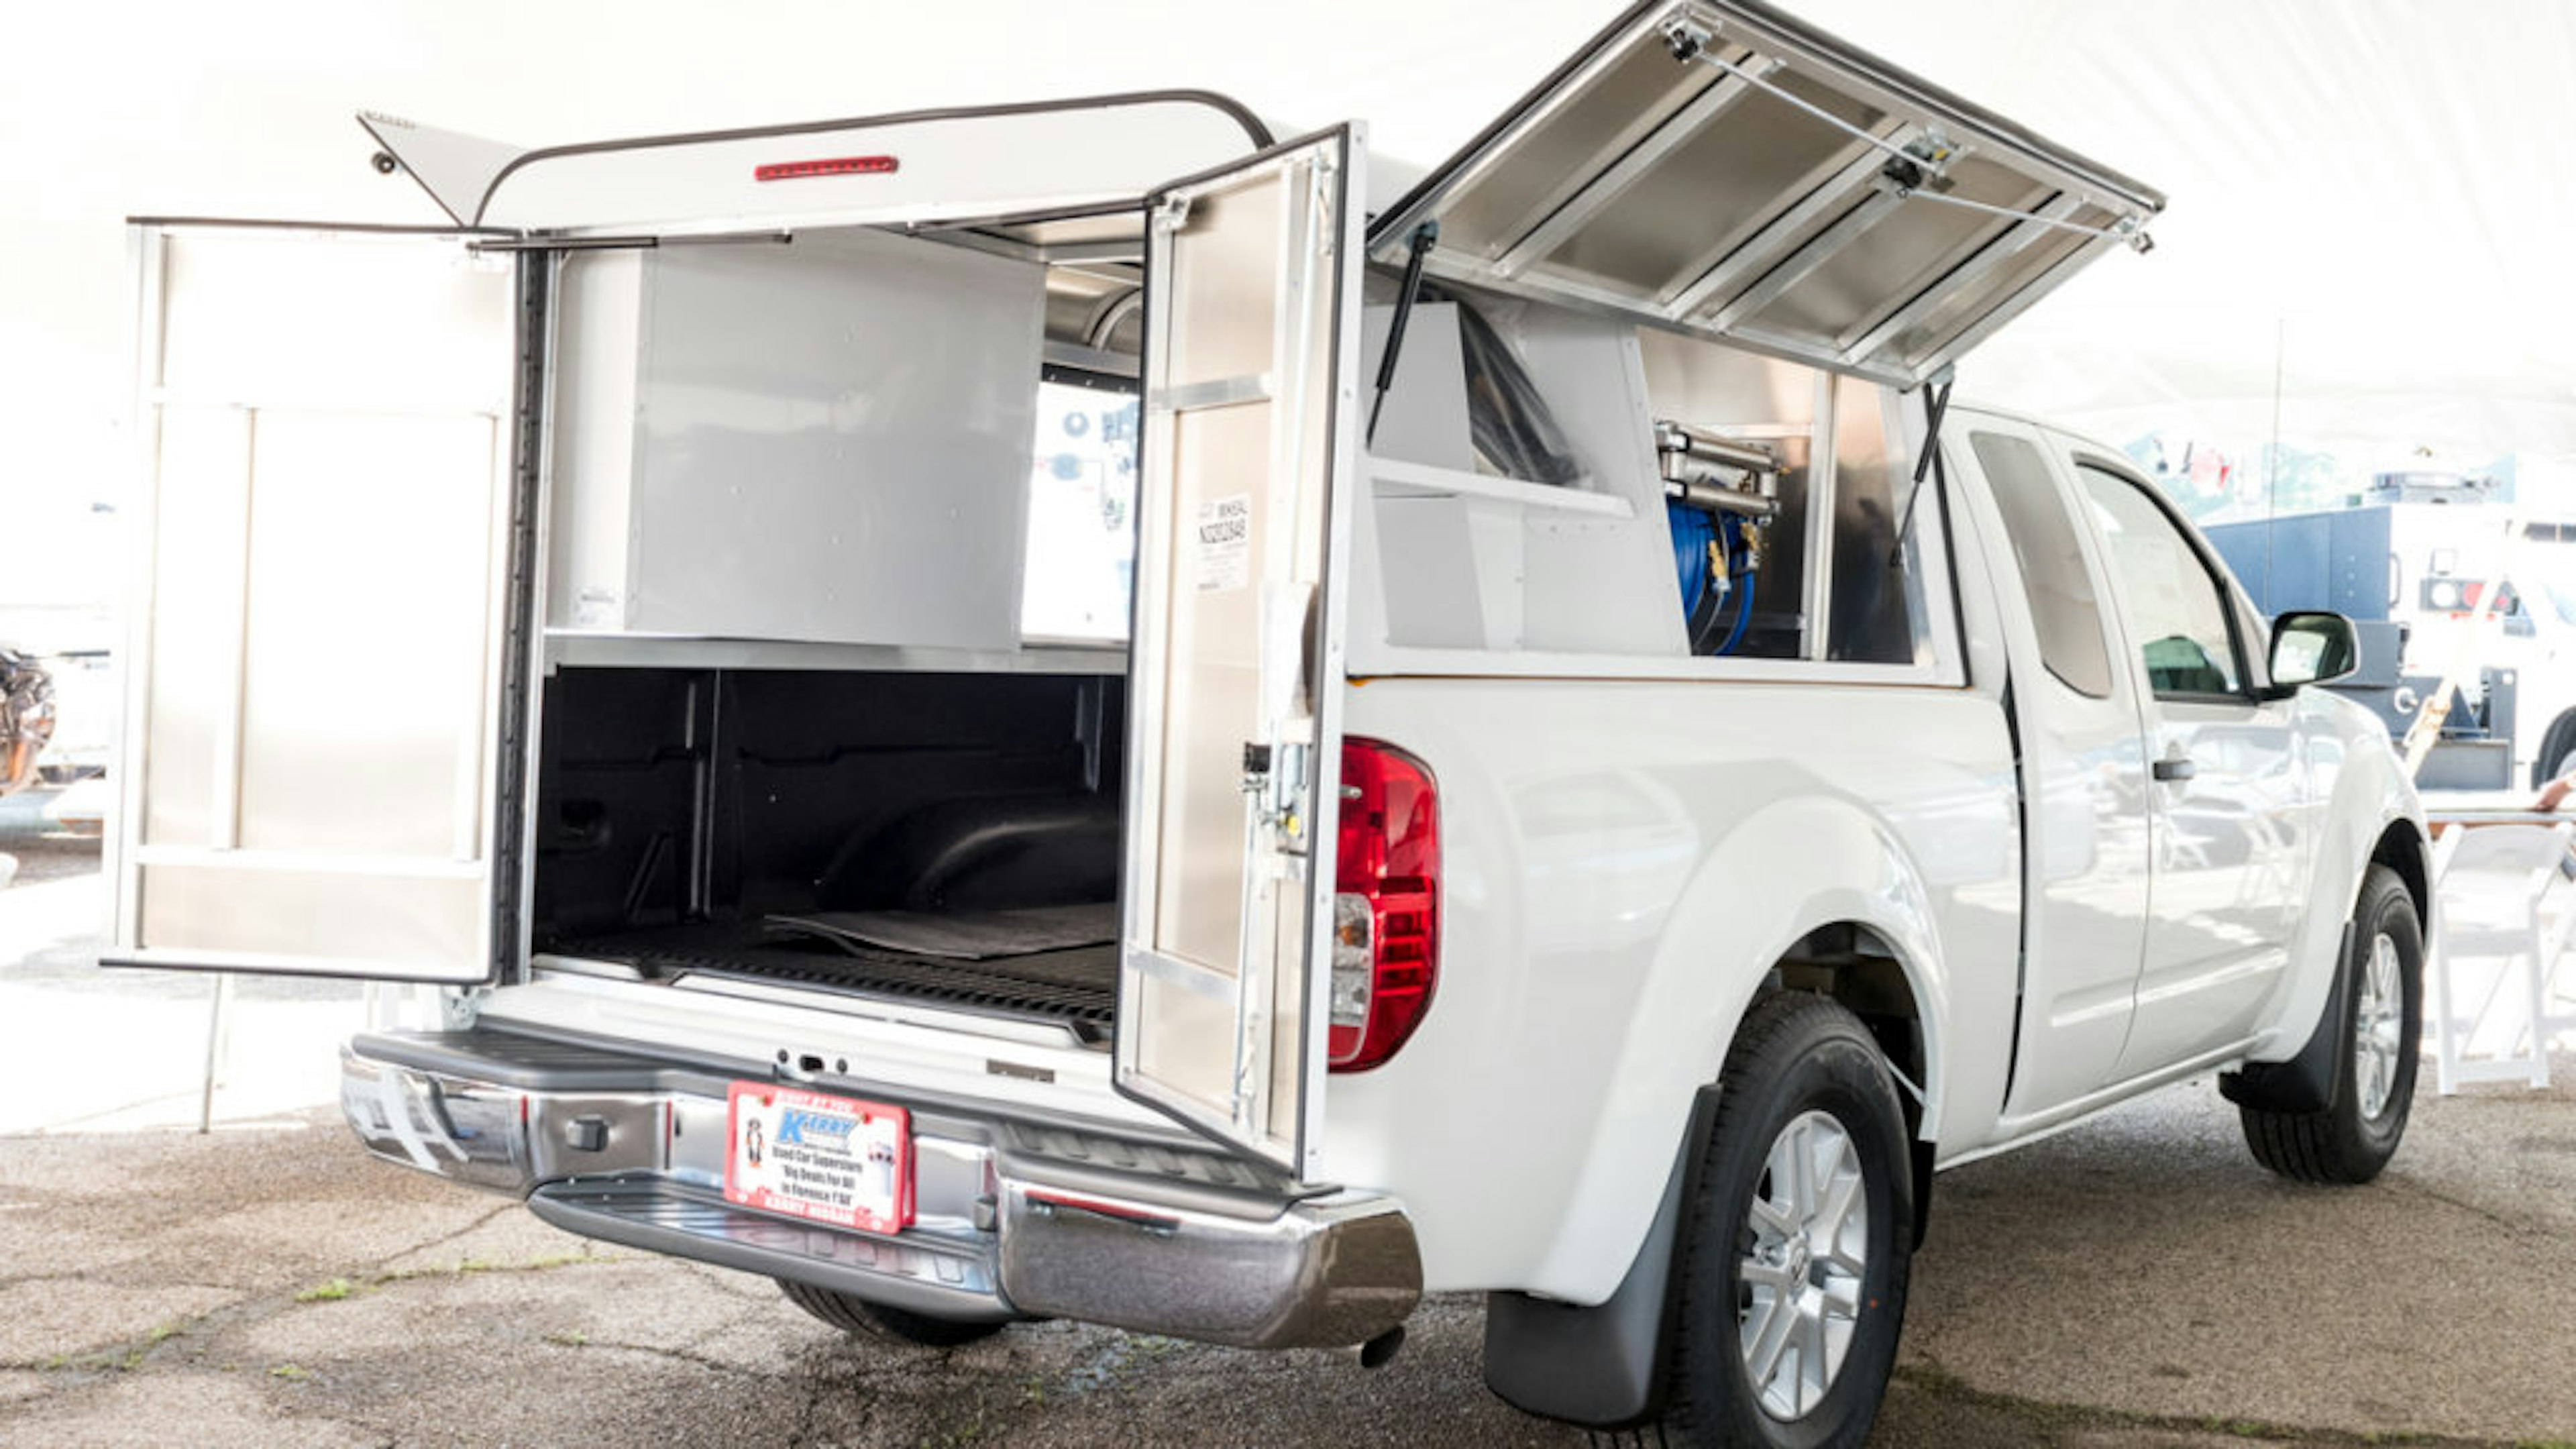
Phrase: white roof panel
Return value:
(915, 165)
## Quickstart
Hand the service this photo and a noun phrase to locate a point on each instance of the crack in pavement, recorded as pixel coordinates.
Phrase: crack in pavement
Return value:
(676, 1355)
(134, 1352)
(2492, 1218)
(480, 1222)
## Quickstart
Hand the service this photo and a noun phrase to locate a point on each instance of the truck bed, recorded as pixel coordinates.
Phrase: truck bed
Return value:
(1074, 987)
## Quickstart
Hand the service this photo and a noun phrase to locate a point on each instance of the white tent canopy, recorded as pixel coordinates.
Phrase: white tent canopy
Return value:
(2368, 209)
(2366, 197)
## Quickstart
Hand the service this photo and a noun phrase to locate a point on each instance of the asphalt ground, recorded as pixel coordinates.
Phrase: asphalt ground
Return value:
(2134, 1282)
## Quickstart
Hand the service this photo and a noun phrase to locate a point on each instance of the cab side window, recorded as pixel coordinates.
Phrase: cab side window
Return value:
(2176, 610)
(2051, 560)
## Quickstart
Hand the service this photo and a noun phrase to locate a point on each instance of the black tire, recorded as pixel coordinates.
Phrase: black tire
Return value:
(2557, 751)
(858, 1317)
(1797, 1054)
(2346, 1143)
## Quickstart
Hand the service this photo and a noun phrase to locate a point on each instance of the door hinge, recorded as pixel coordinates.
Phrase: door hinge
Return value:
(1172, 213)
(1685, 36)
(1327, 235)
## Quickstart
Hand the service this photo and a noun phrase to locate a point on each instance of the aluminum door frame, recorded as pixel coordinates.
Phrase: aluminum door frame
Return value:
(1287, 810)
(506, 716)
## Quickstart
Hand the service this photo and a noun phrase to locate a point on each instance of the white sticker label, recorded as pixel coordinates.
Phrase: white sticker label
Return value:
(1225, 543)
(598, 608)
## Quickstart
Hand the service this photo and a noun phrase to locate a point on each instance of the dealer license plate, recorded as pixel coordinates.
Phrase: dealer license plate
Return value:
(827, 1159)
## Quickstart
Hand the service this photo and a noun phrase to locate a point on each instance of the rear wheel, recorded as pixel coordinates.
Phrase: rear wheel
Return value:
(1801, 1238)
(2377, 1054)
(876, 1321)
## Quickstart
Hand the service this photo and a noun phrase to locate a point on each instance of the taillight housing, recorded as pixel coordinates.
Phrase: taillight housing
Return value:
(1386, 904)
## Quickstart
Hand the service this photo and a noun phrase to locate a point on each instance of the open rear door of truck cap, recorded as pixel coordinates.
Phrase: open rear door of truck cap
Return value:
(1716, 167)
(912, 165)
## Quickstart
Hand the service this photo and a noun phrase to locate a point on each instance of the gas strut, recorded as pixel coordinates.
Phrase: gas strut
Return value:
(1418, 248)
(1936, 406)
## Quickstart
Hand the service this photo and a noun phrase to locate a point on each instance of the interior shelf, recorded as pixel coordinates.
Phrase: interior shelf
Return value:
(1399, 479)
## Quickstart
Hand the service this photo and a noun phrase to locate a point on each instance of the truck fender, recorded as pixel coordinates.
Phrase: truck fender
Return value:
(1748, 906)
(2371, 794)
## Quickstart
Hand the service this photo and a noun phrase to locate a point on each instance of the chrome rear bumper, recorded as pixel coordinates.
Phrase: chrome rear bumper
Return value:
(1012, 1219)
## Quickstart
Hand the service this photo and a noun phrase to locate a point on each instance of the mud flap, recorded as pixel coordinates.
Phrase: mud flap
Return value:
(2306, 1082)
(1601, 1366)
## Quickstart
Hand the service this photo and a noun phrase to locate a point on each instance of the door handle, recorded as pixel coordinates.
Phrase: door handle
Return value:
(2174, 769)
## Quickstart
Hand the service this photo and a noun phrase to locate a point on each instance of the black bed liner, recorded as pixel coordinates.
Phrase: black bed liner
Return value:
(1075, 988)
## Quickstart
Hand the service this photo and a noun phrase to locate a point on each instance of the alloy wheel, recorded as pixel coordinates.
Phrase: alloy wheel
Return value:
(2377, 1021)
(1799, 1287)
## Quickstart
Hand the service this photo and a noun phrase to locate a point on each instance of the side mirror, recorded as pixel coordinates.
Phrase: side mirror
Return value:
(2312, 647)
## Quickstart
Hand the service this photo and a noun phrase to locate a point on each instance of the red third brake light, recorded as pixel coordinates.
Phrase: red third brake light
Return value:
(1386, 904)
(830, 166)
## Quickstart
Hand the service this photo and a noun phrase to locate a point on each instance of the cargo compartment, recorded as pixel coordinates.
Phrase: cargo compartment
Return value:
(949, 838)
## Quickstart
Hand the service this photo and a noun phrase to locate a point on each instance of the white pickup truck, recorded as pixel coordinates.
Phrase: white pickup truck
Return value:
(1594, 810)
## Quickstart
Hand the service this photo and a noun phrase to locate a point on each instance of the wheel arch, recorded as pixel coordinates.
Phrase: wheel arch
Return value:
(1869, 975)
(1847, 916)
(2370, 816)
(2403, 849)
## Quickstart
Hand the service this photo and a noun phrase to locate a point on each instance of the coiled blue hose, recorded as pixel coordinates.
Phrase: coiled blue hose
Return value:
(1739, 573)
(1693, 532)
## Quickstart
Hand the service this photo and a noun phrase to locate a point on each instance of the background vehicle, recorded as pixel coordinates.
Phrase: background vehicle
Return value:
(1585, 808)
(2411, 563)
(26, 719)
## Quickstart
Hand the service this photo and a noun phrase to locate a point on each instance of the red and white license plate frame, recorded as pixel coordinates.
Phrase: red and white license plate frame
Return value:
(823, 1158)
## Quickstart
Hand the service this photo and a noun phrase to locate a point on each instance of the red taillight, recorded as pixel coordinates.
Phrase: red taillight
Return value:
(1386, 904)
(831, 166)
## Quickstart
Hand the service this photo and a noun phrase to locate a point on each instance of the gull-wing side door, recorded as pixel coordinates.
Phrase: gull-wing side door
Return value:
(1719, 168)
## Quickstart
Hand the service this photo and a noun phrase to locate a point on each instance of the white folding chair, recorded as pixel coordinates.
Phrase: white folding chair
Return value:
(2491, 954)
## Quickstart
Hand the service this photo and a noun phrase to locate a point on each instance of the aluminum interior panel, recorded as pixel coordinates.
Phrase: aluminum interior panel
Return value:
(1860, 280)
(336, 320)
(1237, 237)
(395, 923)
(832, 443)
(189, 668)
(1214, 695)
(1636, 92)
(1879, 614)
(1713, 192)
(364, 625)
(1837, 212)
(2021, 277)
